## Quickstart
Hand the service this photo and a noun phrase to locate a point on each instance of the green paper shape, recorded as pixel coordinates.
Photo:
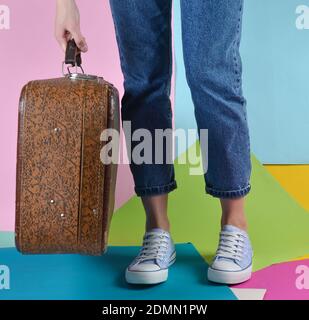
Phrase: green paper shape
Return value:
(7, 239)
(278, 226)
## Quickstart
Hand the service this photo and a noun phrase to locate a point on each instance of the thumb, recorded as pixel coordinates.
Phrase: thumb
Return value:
(80, 41)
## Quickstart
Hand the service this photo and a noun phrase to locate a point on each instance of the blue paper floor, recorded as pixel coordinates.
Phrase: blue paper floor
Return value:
(86, 277)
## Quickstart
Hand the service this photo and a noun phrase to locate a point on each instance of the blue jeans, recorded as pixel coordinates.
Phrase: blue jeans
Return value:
(211, 33)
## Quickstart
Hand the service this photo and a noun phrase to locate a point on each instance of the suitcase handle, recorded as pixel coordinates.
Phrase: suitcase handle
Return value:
(72, 54)
(72, 57)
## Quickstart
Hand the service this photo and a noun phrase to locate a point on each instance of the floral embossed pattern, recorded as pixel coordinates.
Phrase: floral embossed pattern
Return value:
(61, 202)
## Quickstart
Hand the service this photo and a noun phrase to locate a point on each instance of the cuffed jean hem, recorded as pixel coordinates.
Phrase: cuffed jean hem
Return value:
(228, 193)
(155, 190)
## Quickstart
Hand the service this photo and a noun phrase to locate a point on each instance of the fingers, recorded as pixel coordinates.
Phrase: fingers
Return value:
(62, 42)
(64, 37)
(80, 41)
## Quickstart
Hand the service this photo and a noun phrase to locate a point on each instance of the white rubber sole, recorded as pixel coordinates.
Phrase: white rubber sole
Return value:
(148, 277)
(229, 277)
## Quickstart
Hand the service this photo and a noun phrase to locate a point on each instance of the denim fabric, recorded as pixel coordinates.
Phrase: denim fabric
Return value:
(211, 33)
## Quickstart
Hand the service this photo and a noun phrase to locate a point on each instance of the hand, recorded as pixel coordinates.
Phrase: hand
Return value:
(67, 25)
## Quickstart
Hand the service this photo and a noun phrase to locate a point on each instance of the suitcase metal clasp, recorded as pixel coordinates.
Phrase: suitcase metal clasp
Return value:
(73, 59)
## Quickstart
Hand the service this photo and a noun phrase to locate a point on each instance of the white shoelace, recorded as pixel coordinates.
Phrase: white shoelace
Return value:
(231, 245)
(155, 246)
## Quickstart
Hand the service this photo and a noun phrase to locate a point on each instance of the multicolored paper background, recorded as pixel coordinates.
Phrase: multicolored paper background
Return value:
(275, 64)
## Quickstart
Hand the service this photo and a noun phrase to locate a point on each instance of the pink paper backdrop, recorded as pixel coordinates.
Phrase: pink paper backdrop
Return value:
(283, 281)
(29, 51)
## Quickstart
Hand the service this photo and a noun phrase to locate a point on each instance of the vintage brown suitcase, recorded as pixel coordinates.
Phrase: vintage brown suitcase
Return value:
(64, 192)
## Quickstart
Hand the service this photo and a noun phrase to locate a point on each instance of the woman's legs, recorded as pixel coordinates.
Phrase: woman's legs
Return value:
(156, 212)
(211, 33)
(211, 36)
(143, 30)
(233, 213)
